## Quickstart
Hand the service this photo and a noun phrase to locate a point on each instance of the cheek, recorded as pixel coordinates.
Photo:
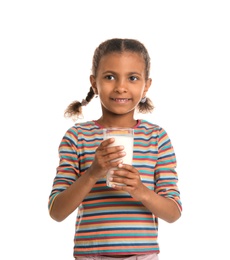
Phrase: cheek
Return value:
(139, 92)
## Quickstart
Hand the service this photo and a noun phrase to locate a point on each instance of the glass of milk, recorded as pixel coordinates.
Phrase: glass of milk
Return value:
(124, 137)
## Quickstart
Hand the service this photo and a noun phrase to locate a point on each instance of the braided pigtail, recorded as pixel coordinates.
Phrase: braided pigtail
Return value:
(74, 110)
(145, 106)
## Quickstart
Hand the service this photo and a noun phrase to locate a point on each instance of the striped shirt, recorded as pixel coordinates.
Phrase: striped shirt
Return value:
(111, 222)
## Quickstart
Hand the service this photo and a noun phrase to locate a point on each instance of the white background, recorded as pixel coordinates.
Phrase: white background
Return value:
(46, 49)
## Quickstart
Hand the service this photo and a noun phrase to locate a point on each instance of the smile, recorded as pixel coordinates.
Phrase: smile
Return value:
(121, 100)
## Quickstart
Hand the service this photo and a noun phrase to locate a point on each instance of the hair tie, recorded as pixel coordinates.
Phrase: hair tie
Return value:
(84, 102)
(143, 100)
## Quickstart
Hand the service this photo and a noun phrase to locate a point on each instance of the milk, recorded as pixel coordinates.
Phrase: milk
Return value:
(124, 137)
(127, 142)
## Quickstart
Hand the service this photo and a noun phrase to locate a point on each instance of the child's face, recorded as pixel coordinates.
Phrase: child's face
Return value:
(120, 82)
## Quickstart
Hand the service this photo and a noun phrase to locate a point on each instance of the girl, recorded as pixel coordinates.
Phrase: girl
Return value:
(121, 221)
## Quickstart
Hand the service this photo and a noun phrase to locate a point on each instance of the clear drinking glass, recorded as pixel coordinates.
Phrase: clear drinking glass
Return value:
(124, 137)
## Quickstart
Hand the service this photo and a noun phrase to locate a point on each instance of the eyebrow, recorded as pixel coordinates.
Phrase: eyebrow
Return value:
(113, 72)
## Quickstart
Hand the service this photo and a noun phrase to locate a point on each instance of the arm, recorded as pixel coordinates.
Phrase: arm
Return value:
(164, 201)
(68, 200)
(70, 187)
(161, 206)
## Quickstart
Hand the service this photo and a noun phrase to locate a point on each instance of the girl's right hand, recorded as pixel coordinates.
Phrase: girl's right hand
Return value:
(106, 157)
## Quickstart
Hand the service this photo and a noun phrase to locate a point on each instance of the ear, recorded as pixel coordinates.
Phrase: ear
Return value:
(147, 86)
(93, 84)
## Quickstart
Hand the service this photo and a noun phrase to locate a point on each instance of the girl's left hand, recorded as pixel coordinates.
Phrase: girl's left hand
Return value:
(130, 177)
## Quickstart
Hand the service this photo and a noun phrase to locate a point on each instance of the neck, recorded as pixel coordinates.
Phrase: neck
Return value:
(117, 122)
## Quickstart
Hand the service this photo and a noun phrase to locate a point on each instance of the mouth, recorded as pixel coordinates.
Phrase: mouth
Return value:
(121, 100)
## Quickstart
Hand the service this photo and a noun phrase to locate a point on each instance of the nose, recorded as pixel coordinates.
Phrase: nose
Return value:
(120, 87)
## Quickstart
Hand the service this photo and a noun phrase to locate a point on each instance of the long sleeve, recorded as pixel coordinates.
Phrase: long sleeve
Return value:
(68, 168)
(165, 171)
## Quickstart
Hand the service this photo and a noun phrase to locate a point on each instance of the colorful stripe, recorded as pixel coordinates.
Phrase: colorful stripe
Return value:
(110, 221)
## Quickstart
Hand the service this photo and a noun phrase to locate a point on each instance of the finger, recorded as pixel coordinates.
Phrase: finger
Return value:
(127, 167)
(122, 183)
(107, 142)
(113, 149)
(128, 175)
(115, 163)
(104, 150)
(104, 144)
(114, 156)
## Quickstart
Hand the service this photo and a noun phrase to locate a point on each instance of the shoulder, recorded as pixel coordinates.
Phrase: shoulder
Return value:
(149, 131)
(146, 128)
(146, 125)
(83, 126)
(87, 128)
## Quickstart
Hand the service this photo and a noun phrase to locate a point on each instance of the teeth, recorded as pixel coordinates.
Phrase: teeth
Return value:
(121, 99)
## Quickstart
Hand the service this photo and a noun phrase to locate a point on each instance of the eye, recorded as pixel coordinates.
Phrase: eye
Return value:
(133, 78)
(109, 77)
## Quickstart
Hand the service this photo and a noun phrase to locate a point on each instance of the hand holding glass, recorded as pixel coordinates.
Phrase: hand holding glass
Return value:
(124, 137)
